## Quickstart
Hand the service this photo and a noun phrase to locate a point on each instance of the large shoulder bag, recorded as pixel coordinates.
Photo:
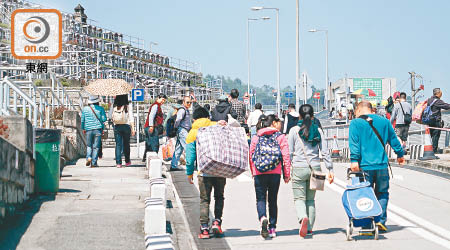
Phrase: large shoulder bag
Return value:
(317, 179)
(104, 135)
(407, 118)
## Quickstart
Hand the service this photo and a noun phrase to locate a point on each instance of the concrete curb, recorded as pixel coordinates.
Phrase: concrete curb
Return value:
(155, 207)
(191, 240)
(155, 242)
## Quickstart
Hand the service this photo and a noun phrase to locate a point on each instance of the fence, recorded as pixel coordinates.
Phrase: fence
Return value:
(416, 135)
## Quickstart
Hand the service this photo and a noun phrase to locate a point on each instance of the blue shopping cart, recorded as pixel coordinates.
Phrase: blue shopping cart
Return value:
(361, 205)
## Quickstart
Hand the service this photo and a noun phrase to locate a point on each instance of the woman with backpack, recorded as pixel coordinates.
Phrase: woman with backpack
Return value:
(305, 141)
(269, 158)
(122, 117)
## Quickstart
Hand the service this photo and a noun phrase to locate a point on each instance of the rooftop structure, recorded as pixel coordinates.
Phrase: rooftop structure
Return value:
(90, 52)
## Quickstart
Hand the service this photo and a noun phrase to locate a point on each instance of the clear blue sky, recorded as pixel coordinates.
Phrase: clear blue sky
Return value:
(382, 38)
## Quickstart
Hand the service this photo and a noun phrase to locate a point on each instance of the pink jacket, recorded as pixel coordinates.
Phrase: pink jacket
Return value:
(284, 151)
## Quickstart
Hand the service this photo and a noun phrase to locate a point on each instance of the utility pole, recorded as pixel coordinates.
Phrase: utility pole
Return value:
(413, 88)
(297, 57)
(305, 88)
(414, 91)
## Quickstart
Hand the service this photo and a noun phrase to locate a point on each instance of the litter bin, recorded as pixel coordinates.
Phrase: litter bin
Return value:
(46, 171)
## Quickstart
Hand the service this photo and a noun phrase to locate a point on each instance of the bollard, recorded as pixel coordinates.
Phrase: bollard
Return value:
(428, 153)
(158, 189)
(335, 149)
(155, 217)
(150, 156)
(155, 169)
(154, 242)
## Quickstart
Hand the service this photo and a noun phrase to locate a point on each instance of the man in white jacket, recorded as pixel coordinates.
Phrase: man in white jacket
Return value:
(253, 118)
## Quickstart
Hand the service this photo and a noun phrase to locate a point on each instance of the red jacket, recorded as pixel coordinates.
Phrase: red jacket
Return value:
(159, 118)
(282, 140)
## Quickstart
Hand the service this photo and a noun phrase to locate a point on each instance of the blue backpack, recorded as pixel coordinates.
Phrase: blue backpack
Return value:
(267, 154)
(428, 113)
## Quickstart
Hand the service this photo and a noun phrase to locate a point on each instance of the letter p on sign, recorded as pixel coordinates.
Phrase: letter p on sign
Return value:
(137, 95)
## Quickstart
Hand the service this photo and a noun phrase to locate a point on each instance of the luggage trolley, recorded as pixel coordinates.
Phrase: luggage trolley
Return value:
(361, 205)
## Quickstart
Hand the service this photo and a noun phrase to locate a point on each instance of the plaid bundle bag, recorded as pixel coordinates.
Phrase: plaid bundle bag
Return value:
(222, 151)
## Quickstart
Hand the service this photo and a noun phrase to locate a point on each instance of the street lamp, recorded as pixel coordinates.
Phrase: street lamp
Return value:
(326, 65)
(278, 56)
(248, 50)
(152, 43)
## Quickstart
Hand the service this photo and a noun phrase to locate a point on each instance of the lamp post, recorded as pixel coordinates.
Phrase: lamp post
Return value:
(152, 43)
(248, 50)
(326, 64)
(278, 56)
(297, 57)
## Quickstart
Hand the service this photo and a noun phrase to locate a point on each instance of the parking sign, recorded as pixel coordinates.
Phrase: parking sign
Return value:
(137, 95)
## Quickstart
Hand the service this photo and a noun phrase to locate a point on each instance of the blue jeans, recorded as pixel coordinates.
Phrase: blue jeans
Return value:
(122, 134)
(379, 180)
(151, 140)
(179, 146)
(266, 188)
(252, 131)
(93, 140)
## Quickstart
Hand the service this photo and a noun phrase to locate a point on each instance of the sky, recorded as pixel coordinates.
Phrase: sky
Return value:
(382, 38)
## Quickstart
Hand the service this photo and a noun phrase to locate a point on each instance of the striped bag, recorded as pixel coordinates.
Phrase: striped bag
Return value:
(222, 151)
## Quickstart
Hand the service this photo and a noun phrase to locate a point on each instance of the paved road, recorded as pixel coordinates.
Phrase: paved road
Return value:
(418, 216)
(99, 208)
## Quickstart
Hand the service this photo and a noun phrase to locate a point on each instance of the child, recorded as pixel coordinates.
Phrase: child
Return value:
(205, 182)
(269, 157)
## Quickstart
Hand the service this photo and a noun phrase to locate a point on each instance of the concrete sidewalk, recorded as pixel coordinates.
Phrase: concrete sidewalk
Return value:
(96, 208)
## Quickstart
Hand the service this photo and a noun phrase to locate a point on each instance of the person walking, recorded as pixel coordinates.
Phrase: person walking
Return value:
(306, 141)
(183, 124)
(153, 127)
(123, 120)
(269, 158)
(222, 110)
(401, 115)
(206, 183)
(93, 117)
(367, 138)
(436, 117)
(291, 119)
(237, 106)
(253, 118)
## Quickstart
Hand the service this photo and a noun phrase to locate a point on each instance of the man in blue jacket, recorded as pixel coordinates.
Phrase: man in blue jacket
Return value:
(367, 152)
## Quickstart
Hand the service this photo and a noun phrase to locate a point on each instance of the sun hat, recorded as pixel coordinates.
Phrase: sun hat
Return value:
(93, 99)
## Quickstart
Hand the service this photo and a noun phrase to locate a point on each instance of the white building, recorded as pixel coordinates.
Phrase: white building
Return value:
(341, 89)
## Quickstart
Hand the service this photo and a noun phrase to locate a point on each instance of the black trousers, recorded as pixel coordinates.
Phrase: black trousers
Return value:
(435, 135)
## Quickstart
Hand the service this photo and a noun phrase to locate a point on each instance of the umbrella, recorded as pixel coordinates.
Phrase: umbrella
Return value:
(366, 92)
(109, 87)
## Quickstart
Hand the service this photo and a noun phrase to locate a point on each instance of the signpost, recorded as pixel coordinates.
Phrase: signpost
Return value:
(137, 95)
(317, 96)
(289, 95)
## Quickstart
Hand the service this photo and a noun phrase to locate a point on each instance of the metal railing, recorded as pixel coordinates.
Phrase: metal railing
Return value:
(23, 97)
(416, 135)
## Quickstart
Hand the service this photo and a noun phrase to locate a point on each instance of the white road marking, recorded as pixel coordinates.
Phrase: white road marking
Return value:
(395, 211)
(244, 178)
(398, 177)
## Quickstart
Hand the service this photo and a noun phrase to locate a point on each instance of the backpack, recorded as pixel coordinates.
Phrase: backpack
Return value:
(267, 154)
(170, 127)
(119, 116)
(427, 115)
